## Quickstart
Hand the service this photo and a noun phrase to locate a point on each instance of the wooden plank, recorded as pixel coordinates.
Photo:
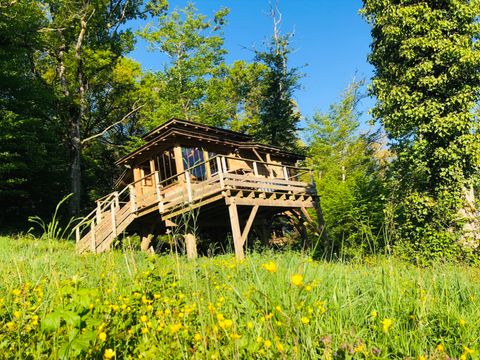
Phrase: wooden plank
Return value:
(169, 215)
(249, 223)
(267, 180)
(237, 235)
(114, 226)
(275, 203)
(191, 245)
(235, 184)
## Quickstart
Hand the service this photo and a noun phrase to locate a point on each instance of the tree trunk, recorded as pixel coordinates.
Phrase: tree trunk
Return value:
(75, 121)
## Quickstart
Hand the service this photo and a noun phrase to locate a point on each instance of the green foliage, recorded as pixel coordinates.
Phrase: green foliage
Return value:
(279, 115)
(31, 160)
(268, 306)
(348, 175)
(53, 230)
(426, 57)
(190, 85)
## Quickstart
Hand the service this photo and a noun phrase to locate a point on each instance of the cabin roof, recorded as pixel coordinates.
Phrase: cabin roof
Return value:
(183, 129)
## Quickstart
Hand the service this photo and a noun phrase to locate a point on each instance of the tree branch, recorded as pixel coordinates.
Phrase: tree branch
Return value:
(111, 126)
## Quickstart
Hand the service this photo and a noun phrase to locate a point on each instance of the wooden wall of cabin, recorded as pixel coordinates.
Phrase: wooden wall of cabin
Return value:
(151, 161)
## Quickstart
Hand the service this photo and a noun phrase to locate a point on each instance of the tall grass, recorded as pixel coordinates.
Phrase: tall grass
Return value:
(53, 230)
(132, 305)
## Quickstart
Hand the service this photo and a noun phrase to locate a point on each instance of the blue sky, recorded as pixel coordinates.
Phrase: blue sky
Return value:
(331, 40)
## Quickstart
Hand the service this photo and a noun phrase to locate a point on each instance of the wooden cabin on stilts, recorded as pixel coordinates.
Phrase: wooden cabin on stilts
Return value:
(193, 178)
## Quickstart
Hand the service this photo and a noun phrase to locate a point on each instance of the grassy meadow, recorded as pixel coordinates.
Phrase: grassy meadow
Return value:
(122, 305)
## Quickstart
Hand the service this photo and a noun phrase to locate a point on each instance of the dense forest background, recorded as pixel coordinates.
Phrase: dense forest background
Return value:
(72, 101)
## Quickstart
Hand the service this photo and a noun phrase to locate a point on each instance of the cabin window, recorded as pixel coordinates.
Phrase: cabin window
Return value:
(166, 165)
(193, 159)
(213, 163)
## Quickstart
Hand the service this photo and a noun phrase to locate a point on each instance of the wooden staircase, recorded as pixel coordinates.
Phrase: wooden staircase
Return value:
(99, 229)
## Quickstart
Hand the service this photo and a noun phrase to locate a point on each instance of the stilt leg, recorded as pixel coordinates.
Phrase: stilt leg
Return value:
(191, 245)
(236, 233)
(146, 241)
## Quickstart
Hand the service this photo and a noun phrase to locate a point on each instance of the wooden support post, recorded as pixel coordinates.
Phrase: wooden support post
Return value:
(208, 170)
(92, 229)
(133, 199)
(117, 200)
(269, 167)
(145, 243)
(177, 151)
(158, 188)
(255, 168)
(77, 233)
(189, 186)
(220, 173)
(191, 245)
(312, 182)
(285, 173)
(137, 175)
(224, 165)
(114, 225)
(236, 233)
(249, 223)
(98, 212)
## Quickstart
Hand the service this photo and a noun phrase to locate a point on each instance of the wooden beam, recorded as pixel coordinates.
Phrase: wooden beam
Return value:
(208, 170)
(236, 233)
(306, 214)
(191, 245)
(177, 152)
(249, 223)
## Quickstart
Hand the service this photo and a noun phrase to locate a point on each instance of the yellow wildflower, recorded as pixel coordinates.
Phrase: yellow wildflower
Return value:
(197, 337)
(440, 347)
(235, 336)
(267, 344)
(17, 314)
(250, 325)
(102, 336)
(462, 322)
(359, 348)
(296, 280)
(145, 330)
(109, 354)
(175, 328)
(305, 320)
(280, 347)
(228, 323)
(270, 267)
(16, 292)
(387, 324)
(374, 314)
(143, 318)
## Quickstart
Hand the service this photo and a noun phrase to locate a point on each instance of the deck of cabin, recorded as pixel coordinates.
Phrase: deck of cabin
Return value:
(232, 184)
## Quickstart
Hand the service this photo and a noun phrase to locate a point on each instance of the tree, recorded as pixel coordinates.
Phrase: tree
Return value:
(190, 85)
(30, 158)
(347, 174)
(86, 42)
(279, 116)
(426, 81)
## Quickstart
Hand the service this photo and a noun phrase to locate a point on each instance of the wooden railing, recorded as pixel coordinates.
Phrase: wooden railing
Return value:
(221, 172)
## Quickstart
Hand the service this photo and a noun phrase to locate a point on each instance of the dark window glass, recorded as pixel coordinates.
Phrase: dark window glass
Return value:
(193, 159)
